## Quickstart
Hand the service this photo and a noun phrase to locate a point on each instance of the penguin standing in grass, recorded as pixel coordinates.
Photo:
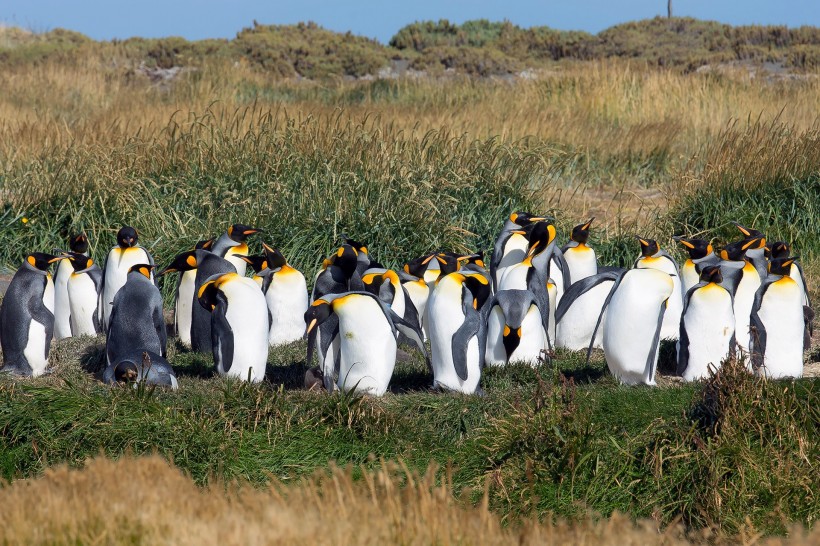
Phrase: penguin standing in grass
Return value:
(231, 245)
(516, 331)
(84, 295)
(185, 264)
(653, 257)
(457, 331)
(741, 278)
(707, 326)
(120, 259)
(777, 324)
(700, 254)
(511, 244)
(579, 256)
(136, 323)
(635, 310)
(78, 244)
(239, 325)
(27, 317)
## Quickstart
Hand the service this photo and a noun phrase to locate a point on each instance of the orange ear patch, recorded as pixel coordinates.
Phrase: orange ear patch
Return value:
(31, 260)
(191, 260)
(145, 271)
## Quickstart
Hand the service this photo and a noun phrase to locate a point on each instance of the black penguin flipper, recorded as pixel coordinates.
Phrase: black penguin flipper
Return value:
(222, 334)
(757, 332)
(683, 342)
(413, 333)
(808, 318)
(563, 266)
(581, 287)
(498, 253)
(601, 315)
(656, 341)
(96, 276)
(467, 331)
(266, 280)
(162, 332)
(41, 314)
(805, 286)
(330, 331)
(411, 314)
(537, 284)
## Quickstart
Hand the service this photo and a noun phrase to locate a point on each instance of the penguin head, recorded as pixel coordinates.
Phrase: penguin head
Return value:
(360, 247)
(204, 244)
(779, 249)
(382, 285)
(736, 251)
(448, 263)
(346, 258)
(522, 218)
(276, 260)
(258, 263)
(127, 237)
(782, 266)
(78, 243)
(474, 259)
(209, 294)
(141, 269)
(711, 273)
(318, 312)
(541, 235)
(418, 266)
(79, 262)
(511, 339)
(750, 233)
(649, 247)
(479, 289)
(186, 261)
(41, 261)
(580, 233)
(240, 232)
(696, 248)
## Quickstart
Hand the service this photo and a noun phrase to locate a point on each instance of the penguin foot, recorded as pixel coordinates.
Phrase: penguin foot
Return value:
(16, 369)
(314, 379)
(480, 392)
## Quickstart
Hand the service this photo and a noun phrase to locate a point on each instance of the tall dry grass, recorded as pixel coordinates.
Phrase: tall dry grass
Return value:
(147, 501)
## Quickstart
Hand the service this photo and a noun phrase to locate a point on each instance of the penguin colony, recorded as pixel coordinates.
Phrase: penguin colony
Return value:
(750, 297)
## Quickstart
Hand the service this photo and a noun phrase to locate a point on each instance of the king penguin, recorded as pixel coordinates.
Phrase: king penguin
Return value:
(707, 326)
(231, 245)
(120, 259)
(700, 254)
(780, 249)
(777, 324)
(366, 333)
(286, 295)
(635, 315)
(78, 244)
(511, 244)
(137, 323)
(84, 295)
(27, 317)
(458, 331)
(580, 257)
(516, 331)
(653, 257)
(239, 325)
(741, 279)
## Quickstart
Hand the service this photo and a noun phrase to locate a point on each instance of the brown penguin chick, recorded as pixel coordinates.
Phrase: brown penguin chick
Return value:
(314, 379)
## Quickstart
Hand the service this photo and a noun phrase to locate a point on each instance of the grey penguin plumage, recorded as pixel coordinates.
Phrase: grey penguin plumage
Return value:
(208, 265)
(141, 367)
(27, 317)
(516, 330)
(137, 322)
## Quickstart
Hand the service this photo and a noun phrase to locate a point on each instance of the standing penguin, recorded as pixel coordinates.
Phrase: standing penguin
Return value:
(457, 331)
(84, 295)
(781, 249)
(136, 323)
(366, 330)
(78, 244)
(700, 254)
(231, 245)
(707, 326)
(580, 257)
(515, 328)
(185, 293)
(777, 324)
(653, 257)
(741, 279)
(635, 315)
(511, 244)
(286, 295)
(27, 317)
(120, 259)
(582, 304)
(239, 327)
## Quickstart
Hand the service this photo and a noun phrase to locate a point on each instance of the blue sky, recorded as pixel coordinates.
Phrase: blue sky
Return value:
(196, 19)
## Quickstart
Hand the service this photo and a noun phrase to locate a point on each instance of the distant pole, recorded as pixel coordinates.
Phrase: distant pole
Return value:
(669, 8)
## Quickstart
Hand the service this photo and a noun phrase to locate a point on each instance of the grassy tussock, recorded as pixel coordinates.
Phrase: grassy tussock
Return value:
(147, 501)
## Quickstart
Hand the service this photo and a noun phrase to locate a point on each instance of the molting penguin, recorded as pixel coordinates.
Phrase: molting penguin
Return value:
(777, 324)
(635, 315)
(27, 317)
(120, 259)
(741, 279)
(231, 245)
(700, 254)
(366, 333)
(515, 328)
(239, 327)
(78, 244)
(580, 258)
(653, 257)
(84, 295)
(511, 245)
(136, 323)
(458, 331)
(582, 304)
(141, 367)
(707, 326)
